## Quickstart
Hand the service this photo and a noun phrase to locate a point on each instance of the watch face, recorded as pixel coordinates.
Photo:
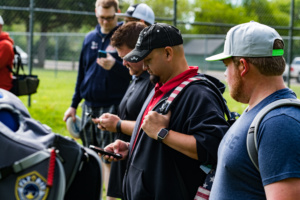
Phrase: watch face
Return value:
(162, 134)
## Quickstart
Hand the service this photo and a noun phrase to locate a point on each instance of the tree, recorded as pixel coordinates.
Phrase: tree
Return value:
(268, 12)
(214, 16)
(52, 21)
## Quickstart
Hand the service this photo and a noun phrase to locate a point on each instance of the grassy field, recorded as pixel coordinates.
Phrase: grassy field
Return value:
(53, 98)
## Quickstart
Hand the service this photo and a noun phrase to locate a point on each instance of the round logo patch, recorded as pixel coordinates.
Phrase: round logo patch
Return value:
(31, 186)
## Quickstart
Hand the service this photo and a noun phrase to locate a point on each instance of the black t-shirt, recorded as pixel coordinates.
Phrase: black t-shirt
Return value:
(134, 99)
(129, 109)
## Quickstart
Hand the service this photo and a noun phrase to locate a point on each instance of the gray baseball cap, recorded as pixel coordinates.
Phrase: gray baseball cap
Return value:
(139, 11)
(1, 20)
(249, 40)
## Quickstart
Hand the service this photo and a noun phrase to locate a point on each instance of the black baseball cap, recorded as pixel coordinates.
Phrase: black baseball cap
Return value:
(158, 35)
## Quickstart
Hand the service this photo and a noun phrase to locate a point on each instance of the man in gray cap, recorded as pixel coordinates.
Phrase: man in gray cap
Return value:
(253, 56)
(166, 151)
(139, 12)
(6, 58)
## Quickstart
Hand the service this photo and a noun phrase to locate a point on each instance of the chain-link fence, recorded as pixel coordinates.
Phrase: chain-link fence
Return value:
(51, 32)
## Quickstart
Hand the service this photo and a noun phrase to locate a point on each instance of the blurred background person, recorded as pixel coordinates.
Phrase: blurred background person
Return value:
(6, 58)
(138, 12)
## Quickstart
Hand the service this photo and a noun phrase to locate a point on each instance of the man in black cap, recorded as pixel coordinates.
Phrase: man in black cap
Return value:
(166, 151)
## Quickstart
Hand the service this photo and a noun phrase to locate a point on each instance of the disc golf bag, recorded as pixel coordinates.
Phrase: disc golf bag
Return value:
(36, 163)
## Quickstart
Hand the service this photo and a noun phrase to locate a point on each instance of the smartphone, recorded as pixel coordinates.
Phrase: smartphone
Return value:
(91, 115)
(101, 54)
(102, 151)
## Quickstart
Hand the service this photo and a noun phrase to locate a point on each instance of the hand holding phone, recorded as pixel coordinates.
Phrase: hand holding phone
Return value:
(102, 54)
(92, 115)
(102, 151)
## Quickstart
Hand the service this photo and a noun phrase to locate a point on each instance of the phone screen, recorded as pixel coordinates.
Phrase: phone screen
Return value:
(102, 54)
(102, 151)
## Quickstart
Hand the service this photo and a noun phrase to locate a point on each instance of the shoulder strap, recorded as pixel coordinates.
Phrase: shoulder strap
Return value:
(252, 132)
(231, 116)
(24, 163)
(17, 64)
(166, 106)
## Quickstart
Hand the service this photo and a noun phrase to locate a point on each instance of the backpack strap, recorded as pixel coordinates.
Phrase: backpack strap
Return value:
(231, 116)
(24, 163)
(252, 132)
(18, 64)
(166, 106)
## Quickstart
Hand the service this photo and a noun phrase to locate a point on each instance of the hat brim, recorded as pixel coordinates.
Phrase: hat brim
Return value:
(74, 127)
(220, 56)
(136, 55)
(123, 15)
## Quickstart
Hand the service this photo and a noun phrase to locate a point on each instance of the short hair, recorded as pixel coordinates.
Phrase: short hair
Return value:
(127, 34)
(107, 4)
(268, 66)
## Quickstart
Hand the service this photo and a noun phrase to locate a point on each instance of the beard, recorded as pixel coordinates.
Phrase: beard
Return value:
(236, 90)
(154, 79)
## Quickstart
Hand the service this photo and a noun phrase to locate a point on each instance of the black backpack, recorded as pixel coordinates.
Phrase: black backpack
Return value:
(23, 84)
(39, 164)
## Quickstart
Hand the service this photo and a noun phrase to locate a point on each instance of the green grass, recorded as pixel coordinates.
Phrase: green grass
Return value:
(53, 98)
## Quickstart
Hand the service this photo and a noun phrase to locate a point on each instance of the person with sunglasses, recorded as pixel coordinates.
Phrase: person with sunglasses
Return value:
(101, 82)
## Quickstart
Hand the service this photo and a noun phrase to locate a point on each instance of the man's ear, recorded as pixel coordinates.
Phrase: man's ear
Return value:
(244, 67)
(168, 52)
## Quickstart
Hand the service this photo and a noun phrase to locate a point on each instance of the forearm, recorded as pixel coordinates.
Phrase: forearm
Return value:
(127, 127)
(186, 144)
(183, 143)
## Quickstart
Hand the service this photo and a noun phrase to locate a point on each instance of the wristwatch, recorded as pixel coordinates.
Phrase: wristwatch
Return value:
(162, 134)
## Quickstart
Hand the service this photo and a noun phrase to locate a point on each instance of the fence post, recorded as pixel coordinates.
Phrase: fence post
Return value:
(31, 22)
(56, 55)
(290, 46)
(175, 13)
